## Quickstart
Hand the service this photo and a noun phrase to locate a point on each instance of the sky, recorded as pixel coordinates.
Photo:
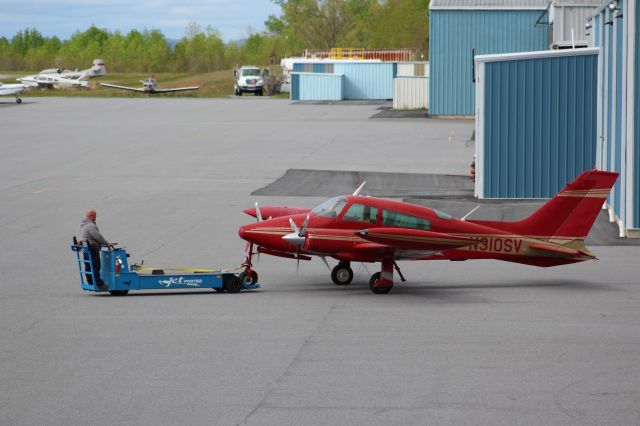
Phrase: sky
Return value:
(233, 18)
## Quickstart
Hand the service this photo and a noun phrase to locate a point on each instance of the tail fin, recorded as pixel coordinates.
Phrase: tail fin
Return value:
(569, 215)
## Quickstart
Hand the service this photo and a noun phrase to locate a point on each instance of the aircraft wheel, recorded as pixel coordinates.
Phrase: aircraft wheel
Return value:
(18, 100)
(342, 274)
(119, 292)
(234, 285)
(248, 279)
(380, 290)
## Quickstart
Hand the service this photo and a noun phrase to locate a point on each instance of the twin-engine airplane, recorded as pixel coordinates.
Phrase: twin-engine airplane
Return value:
(63, 78)
(354, 228)
(149, 86)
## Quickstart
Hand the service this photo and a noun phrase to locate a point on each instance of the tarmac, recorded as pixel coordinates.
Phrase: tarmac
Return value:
(465, 343)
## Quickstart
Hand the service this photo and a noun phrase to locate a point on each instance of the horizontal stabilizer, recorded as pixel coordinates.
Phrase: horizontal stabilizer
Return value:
(413, 239)
(560, 250)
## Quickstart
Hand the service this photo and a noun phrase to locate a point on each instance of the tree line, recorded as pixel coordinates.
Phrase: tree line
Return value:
(303, 24)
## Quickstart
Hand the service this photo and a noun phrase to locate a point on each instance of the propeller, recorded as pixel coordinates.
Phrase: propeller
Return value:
(297, 237)
(258, 214)
(357, 191)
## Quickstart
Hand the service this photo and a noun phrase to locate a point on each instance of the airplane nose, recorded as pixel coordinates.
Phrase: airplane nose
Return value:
(243, 231)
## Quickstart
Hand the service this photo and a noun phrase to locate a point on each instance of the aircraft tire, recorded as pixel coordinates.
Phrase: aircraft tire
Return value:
(119, 292)
(234, 285)
(342, 274)
(380, 290)
(248, 279)
(18, 100)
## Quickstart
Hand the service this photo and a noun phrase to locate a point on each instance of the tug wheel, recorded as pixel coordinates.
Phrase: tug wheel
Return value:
(234, 285)
(248, 279)
(119, 292)
(342, 274)
(380, 290)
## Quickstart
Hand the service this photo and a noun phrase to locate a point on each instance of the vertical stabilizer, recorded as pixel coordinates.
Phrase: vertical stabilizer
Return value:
(570, 214)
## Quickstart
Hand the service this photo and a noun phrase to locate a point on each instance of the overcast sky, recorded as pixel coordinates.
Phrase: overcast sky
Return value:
(62, 18)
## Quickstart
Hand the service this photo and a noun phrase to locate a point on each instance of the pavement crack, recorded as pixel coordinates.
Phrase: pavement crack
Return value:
(295, 358)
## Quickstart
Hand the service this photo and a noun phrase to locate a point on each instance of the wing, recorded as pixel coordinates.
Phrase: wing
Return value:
(115, 86)
(275, 211)
(177, 89)
(413, 239)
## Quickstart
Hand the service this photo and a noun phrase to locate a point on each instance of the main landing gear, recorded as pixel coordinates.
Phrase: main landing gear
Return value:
(380, 282)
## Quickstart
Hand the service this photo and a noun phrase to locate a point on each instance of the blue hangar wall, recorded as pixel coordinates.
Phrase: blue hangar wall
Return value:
(618, 139)
(535, 122)
(358, 80)
(452, 35)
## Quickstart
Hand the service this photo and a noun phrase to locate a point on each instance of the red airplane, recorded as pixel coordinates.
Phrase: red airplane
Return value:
(355, 228)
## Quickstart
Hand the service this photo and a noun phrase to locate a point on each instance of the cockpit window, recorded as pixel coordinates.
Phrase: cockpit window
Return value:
(441, 215)
(361, 213)
(391, 218)
(330, 208)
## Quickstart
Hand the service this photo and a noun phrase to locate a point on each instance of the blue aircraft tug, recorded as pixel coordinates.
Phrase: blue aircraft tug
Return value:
(119, 278)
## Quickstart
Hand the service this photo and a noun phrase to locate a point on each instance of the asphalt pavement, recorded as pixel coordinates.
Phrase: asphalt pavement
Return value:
(465, 343)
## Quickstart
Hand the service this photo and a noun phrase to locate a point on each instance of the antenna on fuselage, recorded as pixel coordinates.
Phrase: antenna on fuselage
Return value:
(357, 191)
(468, 214)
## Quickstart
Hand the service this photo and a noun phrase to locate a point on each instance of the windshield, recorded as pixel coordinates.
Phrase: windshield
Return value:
(330, 208)
(254, 72)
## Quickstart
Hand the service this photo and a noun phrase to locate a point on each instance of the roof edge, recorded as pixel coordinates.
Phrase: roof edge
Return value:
(538, 54)
(487, 8)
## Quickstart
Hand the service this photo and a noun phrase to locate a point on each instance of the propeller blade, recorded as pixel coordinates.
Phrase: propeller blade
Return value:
(294, 228)
(258, 214)
(303, 230)
(357, 191)
(298, 260)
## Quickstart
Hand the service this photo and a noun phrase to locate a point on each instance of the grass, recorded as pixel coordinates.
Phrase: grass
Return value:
(212, 85)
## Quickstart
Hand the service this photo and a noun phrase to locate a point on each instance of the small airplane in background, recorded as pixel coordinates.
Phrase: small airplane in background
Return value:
(13, 90)
(60, 77)
(149, 86)
(354, 228)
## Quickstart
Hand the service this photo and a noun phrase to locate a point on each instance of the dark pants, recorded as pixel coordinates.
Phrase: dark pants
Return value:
(95, 265)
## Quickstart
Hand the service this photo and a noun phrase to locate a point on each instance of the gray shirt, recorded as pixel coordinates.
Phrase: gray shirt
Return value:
(89, 232)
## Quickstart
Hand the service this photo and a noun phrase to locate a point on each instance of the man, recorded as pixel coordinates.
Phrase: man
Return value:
(90, 234)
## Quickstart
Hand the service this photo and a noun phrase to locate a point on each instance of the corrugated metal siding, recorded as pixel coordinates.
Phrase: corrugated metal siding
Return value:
(410, 93)
(539, 124)
(367, 80)
(295, 87)
(413, 69)
(566, 18)
(317, 87)
(454, 33)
